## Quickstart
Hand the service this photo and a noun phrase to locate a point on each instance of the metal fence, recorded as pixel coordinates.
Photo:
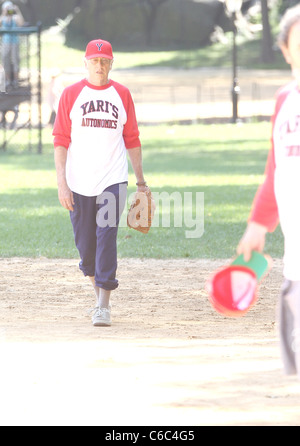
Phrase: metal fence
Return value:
(194, 96)
(203, 95)
(207, 101)
(21, 96)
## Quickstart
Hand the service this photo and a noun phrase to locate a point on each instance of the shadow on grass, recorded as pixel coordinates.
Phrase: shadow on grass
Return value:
(169, 158)
(32, 223)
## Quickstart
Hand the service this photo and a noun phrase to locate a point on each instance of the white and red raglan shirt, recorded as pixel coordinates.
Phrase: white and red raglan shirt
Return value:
(96, 125)
(278, 199)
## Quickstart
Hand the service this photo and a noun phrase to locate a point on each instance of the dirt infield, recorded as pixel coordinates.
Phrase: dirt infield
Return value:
(167, 360)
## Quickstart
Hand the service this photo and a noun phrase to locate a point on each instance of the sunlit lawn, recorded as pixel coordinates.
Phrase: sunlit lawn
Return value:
(56, 55)
(223, 163)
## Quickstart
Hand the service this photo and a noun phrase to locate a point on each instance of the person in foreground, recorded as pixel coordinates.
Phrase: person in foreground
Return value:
(277, 200)
(95, 128)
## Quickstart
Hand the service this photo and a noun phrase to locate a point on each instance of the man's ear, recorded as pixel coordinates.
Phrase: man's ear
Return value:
(286, 53)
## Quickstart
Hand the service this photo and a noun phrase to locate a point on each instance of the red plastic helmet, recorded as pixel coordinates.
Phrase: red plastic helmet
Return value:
(232, 290)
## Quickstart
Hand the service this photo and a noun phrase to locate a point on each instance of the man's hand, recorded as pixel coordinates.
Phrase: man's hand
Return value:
(143, 188)
(65, 196)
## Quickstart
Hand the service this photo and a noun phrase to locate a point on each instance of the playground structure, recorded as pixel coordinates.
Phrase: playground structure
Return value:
(21, 99)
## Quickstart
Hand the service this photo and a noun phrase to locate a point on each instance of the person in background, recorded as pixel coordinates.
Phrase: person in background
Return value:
(11, 18)
(55, 90)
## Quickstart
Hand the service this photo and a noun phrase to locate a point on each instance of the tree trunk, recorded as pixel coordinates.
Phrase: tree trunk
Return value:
(150, 10)
(267, 53)
(31, 12)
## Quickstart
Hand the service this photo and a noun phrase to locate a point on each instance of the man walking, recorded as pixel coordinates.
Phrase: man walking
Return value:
(94, 130)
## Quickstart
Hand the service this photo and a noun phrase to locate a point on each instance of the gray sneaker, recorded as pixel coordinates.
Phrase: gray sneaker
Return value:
(101, 317)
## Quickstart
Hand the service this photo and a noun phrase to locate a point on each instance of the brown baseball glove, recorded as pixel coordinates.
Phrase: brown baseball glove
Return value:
(141, 211)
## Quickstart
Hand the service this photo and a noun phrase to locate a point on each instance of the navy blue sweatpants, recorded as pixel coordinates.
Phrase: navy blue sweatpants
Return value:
(95, 223)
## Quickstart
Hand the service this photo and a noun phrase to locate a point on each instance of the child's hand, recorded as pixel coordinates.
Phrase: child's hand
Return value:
(253, 240)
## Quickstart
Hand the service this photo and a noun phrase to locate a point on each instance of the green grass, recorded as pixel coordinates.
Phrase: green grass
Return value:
(218, 55)
(225, 162)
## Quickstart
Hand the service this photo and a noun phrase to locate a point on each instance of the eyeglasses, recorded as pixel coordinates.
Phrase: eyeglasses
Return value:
(102, 61)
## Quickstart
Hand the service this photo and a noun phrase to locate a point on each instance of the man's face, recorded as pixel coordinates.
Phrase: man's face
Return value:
(98, 70)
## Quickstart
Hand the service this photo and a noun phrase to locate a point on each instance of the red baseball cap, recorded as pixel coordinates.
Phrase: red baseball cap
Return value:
(99, 48)
(233, 290)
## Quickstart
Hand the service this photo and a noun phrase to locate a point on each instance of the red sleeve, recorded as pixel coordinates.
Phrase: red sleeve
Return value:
(63, 124)
(264, 208)
(130, 132)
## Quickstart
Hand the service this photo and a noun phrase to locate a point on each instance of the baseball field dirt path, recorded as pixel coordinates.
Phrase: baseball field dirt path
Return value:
(168, 359)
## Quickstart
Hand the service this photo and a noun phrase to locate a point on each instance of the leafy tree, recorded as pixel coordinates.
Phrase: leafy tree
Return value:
(144, 23)
(283, 5)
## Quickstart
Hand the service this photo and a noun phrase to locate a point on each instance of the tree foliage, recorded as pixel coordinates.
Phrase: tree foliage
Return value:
(134, 23)
(145, 24)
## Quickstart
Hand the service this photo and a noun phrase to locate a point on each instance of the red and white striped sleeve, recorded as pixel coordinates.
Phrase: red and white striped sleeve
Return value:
(264, 207)
(130, 131)
(63, 125)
